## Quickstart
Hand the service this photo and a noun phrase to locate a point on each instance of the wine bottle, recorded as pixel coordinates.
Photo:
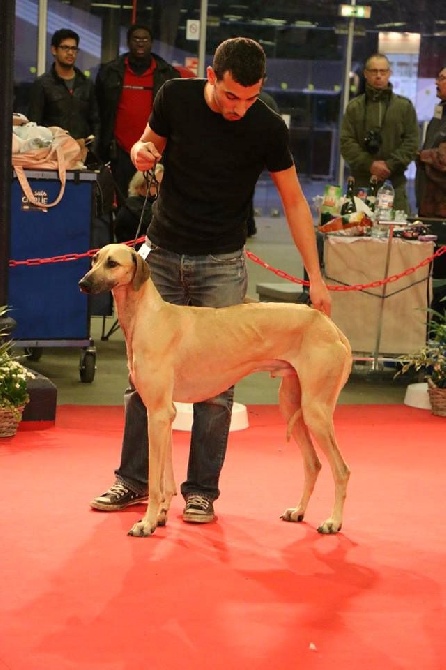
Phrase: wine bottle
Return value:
(349, 205)
(372, 193)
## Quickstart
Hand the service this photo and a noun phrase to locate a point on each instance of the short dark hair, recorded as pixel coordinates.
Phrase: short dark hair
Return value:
(376, 55)
(244, 58)
(138, 26)
(64, 34)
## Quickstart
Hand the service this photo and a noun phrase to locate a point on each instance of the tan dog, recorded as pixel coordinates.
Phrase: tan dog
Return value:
(189, 354)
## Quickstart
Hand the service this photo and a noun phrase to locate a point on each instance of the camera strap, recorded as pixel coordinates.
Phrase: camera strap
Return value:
(365, 113)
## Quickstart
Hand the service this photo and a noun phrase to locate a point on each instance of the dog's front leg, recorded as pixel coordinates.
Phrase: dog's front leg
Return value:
(170, 488)
(161, 481)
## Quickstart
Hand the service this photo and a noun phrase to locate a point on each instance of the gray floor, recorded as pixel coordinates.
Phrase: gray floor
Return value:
(273, 245)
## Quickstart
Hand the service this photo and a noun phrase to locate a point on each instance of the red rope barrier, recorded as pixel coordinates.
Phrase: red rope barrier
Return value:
(353, 287)
(252, 257)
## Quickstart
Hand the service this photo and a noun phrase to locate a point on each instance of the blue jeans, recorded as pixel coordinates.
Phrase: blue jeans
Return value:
(201, 281)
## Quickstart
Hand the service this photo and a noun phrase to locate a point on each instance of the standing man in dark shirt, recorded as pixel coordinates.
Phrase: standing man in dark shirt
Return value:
(216, 137)
(125, 89)
(64, 96)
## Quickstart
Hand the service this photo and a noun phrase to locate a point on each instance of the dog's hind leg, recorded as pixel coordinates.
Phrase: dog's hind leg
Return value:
(322, 428)
(321, 389)
(290, 405)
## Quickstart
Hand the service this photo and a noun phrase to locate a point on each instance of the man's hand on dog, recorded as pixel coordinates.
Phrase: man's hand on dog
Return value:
(320, 297)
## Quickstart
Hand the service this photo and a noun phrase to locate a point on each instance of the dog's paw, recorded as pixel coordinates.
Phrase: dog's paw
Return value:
(162, 518)
(141, 529)
(329, 527)
(292, 514)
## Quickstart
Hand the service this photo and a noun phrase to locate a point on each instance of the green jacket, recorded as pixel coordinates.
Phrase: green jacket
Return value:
(395, 117)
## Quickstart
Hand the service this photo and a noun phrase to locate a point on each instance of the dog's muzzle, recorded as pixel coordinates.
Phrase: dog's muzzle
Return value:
(85, 285)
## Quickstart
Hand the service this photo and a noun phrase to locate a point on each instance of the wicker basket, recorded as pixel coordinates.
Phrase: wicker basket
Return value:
(437, 397)
(9, 420)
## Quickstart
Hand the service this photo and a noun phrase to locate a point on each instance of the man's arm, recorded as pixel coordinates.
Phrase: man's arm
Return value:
(99, 89)
(102, 144)
(36, 103)
(300, 222)
(147, 151)
(93, 116)
(407, 150)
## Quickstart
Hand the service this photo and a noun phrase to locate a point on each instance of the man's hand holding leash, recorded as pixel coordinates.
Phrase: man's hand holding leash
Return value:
(144, 155)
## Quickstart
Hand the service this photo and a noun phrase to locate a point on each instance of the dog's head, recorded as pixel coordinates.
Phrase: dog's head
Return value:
(113, 266)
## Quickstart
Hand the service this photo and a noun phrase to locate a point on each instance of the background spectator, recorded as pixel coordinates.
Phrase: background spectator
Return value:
(64, 96)
(379, 133)
(125, 89)
(431, 164)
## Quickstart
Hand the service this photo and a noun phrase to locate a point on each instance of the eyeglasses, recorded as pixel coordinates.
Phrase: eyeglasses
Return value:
(66, 48)
(376, 72)
(141, 40)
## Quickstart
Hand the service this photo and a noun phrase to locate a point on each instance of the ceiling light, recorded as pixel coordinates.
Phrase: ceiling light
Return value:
(390, 25)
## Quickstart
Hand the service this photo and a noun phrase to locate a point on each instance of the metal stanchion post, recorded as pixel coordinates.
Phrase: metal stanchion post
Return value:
(383, 297)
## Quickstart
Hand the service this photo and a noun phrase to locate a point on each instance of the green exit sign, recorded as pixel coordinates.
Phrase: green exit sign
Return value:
(355, 11)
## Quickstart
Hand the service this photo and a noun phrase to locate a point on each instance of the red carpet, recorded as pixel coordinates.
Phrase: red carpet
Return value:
(249, 592)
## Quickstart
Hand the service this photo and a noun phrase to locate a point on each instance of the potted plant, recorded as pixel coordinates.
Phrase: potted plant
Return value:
(431, 359)
(13, 384)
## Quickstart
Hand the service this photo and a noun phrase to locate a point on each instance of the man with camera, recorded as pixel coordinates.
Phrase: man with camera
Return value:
(379, 133)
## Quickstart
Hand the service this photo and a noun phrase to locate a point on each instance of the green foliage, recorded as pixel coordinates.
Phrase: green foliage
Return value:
(432, 357)
(13, 375)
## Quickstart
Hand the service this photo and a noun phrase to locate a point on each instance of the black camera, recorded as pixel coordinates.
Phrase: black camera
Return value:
(373, 141)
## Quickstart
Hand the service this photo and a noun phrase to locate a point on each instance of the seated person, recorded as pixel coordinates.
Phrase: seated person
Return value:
(134, 216)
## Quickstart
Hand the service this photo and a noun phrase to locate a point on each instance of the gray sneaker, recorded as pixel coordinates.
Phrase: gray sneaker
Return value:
(199, 509)
(118, 496)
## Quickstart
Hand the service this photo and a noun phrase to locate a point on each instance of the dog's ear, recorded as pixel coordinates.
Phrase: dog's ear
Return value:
(142, 272)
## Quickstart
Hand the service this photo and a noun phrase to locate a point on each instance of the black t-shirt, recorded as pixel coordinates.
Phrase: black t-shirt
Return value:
(211, 167)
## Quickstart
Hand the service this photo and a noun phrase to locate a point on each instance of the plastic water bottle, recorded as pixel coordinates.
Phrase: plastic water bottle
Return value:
(384, 202)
